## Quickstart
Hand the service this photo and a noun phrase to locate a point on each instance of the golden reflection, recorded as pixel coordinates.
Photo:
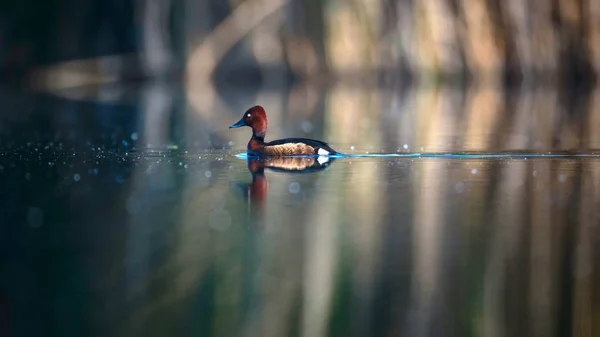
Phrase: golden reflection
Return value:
(484, 108)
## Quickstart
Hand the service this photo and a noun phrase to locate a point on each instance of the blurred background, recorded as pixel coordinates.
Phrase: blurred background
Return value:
(126, 212)
(277, 40)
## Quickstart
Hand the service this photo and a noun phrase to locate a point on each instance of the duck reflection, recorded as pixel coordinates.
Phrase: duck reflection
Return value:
(256, 191)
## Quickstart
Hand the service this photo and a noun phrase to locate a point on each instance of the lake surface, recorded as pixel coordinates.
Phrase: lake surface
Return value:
(131, 211)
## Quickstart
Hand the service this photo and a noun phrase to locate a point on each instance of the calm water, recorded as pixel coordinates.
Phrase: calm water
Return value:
(134, 215)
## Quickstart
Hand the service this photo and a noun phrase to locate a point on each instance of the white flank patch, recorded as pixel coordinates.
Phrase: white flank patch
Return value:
(322, 152)
(322, 160)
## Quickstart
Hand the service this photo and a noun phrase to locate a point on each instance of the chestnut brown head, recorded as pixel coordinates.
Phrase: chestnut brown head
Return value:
(256, 118)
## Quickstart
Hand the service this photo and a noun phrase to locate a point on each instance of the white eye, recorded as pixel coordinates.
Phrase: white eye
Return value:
(248, 115)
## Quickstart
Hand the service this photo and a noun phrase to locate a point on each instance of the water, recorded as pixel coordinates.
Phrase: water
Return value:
(144, 217)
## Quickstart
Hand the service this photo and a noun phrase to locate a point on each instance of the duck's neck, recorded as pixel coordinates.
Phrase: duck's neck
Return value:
(259, 137)
(255, 144)
(257, 141)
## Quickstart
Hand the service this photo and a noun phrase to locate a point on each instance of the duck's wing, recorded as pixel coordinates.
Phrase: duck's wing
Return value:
(315, 144)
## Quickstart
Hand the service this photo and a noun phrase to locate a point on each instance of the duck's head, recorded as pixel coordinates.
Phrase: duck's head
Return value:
(256, 118)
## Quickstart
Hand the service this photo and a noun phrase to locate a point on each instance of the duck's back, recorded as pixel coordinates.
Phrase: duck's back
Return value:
(291, 146)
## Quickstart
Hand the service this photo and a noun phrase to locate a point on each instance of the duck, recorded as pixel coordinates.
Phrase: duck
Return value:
(256, 118)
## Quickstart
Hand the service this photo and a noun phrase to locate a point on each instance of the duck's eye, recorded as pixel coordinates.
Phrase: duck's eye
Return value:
(248, 115)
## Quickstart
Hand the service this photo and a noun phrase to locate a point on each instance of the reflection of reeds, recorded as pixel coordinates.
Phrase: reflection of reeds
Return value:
(593, 121)
(489, 240)
(585, 273)
(488, 247)
(542, 254)
(503, 246)
(428, 226)
(484, 108)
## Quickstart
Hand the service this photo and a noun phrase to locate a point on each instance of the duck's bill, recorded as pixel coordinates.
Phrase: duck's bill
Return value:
(238, 124)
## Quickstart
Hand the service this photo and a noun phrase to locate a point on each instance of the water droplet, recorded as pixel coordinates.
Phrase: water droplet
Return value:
(405, 146)
(134, 136)
(27, 176)
(562, 178)
(352, 147)
(474, 171)
(76, 177)
(180, 163)
(294, 187)
(208, 174)
(96, 171)
(185, 166)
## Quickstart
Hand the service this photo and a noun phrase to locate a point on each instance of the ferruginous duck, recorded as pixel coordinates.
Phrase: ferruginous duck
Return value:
(256, 118)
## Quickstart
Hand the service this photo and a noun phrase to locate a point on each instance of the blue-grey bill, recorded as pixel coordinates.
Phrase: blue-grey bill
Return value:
(238, 124)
